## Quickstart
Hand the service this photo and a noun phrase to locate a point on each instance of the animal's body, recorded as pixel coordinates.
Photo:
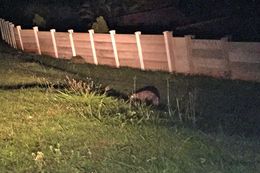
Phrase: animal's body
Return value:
(149, 95)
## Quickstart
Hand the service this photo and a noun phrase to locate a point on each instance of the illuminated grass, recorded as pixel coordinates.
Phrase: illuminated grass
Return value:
(49, 130)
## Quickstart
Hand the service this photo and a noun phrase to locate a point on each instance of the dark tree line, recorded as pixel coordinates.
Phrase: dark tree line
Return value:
(79, 14)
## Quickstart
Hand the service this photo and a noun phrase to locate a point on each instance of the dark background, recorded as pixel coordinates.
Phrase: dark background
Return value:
(238, 19)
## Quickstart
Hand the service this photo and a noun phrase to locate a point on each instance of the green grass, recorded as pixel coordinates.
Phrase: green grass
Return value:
(92, 133)
(225, 105)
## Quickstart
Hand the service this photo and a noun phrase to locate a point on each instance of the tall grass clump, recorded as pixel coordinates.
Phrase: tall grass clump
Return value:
(184, 108)
(89, 100)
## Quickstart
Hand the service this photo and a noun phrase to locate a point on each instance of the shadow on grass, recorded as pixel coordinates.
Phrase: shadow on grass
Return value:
(33, 85)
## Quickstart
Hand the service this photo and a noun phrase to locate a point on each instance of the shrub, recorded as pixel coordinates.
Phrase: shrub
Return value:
(39, 21)
(100, 26)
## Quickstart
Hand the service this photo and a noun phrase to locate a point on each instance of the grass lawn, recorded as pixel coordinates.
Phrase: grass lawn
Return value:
(44, 129)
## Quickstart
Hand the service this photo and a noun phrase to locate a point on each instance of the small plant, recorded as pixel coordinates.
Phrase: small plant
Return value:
(134, 78)
(100, 26)
(39, 160)
(186, 108)
(169, 107)
(56, 151)
(80, 87)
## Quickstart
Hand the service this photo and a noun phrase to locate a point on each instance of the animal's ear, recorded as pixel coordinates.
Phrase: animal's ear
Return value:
(107, 88)
(132, 96)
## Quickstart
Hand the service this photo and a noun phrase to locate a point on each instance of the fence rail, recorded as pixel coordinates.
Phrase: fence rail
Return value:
(217, 58)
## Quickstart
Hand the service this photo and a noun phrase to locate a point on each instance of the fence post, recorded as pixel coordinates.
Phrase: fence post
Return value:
(4, 31)
(1, 27)
(10, 33)
(169, 50)
(7, 29)
(13, 35)
(113, 39)
(54, 42)
(189, 52)
(139, 48)
(72, 42)
(224, 45)
(92, 42)
(36, 30)
(19, 35)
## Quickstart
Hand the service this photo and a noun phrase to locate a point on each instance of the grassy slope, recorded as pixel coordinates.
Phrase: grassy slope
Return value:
(37, 119)
(232, 106)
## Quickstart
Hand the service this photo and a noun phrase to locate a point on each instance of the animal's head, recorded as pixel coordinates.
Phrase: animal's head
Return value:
(107, 88)
(133, 98)
(149, 99)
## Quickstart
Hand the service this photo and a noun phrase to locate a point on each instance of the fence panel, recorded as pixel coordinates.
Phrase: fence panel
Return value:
(245, 60)
(127, 50)
(83, 46)
(45, 41)
(154, 52)
(63, 45)
(104, 49)
(208, 57)
(29, 41)
(181, 55)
